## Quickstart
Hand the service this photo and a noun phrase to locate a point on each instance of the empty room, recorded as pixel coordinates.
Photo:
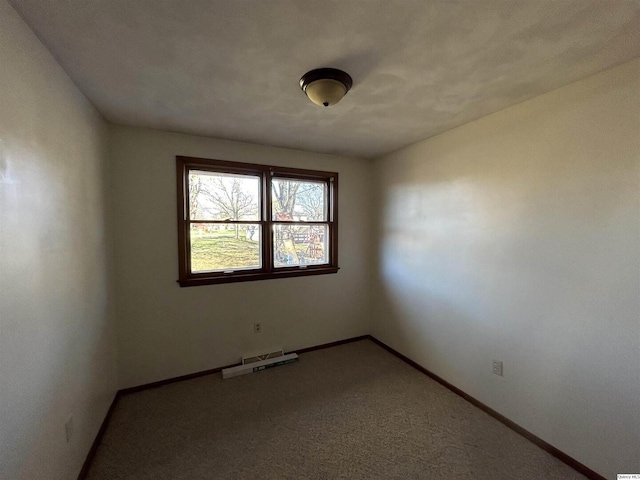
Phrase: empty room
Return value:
(287, 239)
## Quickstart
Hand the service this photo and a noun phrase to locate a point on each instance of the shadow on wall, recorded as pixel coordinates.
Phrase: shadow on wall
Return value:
(56, 320)
(448, 292)
(421, 265)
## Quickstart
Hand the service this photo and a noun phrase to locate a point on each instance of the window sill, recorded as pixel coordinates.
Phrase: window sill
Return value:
(248, 277)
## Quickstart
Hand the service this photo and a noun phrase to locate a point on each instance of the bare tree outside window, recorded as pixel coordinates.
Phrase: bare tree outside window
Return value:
(284, 196)
(222, 204)
(196, 188)
(311, 201)
(298, 203)
(229, 201)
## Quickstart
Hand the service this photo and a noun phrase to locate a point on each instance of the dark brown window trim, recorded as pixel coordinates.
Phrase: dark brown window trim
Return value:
(266, 172)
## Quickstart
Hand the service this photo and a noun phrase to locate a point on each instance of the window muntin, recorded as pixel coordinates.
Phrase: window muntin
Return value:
(240, 222)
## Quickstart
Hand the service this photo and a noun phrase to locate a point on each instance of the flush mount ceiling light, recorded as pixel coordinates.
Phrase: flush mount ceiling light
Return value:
(325, 86)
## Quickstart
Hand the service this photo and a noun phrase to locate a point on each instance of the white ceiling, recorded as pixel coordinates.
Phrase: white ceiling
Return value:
(230, 69)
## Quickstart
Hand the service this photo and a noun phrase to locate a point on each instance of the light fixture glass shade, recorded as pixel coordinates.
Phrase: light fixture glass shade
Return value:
(326, 86)
(326, 92)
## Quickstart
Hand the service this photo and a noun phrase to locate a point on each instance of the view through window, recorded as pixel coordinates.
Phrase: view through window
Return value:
(241, 221)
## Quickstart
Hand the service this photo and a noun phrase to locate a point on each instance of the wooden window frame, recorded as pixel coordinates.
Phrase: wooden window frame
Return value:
(267, 271)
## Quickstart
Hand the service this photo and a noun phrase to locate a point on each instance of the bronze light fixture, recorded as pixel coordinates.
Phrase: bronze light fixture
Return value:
(326, 86)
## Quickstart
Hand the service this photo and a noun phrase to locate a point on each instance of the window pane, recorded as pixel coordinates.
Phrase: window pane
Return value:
(300, 201)
(216, 247)
(300, 245)
(221, 196)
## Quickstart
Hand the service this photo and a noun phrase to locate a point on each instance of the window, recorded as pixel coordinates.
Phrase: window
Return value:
(240, 222)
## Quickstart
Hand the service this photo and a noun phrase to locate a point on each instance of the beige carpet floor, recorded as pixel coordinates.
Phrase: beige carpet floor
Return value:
(348, 412)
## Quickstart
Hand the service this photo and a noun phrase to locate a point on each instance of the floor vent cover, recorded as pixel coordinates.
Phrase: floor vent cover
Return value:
(259, 365)
(263, 356)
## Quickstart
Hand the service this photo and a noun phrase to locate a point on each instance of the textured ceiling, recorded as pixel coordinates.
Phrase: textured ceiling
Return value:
(230, 69)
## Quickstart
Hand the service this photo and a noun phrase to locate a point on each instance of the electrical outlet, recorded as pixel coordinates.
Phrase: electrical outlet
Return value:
(68, 428)
(257, 327)
(497, 368)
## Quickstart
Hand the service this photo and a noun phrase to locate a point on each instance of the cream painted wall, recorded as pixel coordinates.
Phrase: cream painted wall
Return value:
(514, 237)
(517, 237)
(57, 340)
(167, 331)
